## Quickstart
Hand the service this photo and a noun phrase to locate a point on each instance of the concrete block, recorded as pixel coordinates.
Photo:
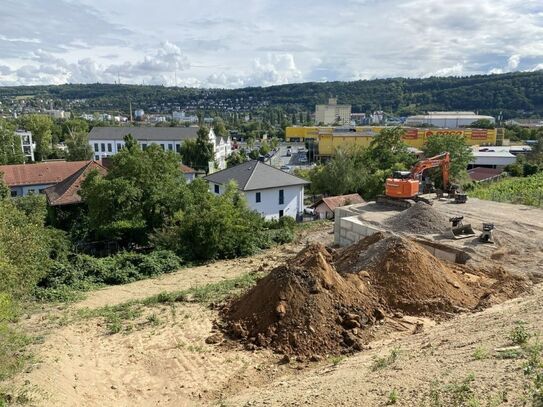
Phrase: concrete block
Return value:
(353, 237)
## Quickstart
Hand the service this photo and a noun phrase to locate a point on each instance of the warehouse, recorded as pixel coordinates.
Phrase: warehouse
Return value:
(447, 119)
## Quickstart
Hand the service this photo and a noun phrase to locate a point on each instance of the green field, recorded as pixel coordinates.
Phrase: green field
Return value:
(526, 191)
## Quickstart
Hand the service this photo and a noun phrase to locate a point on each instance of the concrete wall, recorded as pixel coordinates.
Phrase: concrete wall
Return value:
(349, 229)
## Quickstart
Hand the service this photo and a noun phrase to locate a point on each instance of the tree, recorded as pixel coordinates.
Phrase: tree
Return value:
(264, 148)
(10, 144)
(482, 124)
(236, 158)
(198, 153)
(219, 127)
(41, 127)
(140, 192)
(460, 152)
(79, 148)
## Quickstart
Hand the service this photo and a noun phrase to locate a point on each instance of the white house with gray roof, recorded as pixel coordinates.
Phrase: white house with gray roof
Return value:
(108, 141)
(269, 191)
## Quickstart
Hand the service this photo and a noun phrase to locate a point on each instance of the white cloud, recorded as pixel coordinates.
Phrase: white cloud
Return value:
(257, 43)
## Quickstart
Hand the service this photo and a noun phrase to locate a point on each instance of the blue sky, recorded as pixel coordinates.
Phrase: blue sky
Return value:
(235, 43)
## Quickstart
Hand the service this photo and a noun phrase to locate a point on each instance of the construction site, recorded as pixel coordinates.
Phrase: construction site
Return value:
(415, 299)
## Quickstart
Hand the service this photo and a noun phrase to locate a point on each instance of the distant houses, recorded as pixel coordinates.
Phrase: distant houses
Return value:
(325, 207)
(108, 141)
(269, 191)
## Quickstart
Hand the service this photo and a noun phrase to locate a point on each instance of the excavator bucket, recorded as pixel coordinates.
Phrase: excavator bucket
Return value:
(462, 232)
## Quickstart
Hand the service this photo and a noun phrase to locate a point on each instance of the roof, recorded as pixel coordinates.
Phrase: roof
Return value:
(66, 192)
(334, 202)
(185, 169)
(482, 173)
(492, 152)
(253, 175)
(49, 172)
(144, 133)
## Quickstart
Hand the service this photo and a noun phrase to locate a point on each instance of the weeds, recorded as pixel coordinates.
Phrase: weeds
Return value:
(480, 353)
(382, 362)
(153, 319)
(519, 335)
(392, 397)
(455, 394)
(533, 370)
(336, 360)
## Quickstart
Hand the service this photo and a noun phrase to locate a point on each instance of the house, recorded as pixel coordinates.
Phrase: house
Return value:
(108, 141)
(66, 192)
(188, 173)
(269, 191)
(24, 179)
(325, 207)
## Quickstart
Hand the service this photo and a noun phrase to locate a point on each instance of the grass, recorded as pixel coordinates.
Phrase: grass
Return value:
(519, 335)
(454, 394)
(480, 353)
(336, 360)
(385, 361)
(392, 397)
(13, 357)
(116, 316)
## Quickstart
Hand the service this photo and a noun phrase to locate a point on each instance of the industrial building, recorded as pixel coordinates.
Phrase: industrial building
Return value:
(332, 113)
(446, 119)
(330, 139)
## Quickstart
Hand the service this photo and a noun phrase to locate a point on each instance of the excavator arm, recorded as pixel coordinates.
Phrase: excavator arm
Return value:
(443, 161)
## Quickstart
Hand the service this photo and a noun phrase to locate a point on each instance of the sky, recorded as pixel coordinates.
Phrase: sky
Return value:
(237, 43)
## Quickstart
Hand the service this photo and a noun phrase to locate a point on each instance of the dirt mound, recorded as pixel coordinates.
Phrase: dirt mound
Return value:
(301, 308)
(420, 219)
(324, 303)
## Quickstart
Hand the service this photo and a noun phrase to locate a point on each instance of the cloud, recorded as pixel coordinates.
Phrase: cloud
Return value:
(257, 43)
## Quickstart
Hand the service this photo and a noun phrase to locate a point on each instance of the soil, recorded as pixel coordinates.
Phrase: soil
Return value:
(421, 219)
(322, 303)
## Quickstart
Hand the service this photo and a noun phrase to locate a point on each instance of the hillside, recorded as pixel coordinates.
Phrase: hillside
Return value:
(514, 94)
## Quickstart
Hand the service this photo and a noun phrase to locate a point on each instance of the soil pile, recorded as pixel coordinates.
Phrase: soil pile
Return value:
(324, 303)
(420, 218)
(304, 307)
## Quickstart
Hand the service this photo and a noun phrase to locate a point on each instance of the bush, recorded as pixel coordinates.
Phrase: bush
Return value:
(84, 272)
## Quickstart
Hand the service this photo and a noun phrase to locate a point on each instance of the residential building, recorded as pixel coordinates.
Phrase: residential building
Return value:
(332, 113)
(188, 173)
(447, 119)
(182, 117)
(269, 191)
(66, 192)
(24, 179)
(27, 144)
(108, 141)
(325, 207)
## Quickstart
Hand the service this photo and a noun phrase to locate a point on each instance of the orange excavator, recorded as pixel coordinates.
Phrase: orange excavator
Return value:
(403, 189)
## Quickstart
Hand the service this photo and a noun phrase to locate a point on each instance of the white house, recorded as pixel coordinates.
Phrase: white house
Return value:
(269, 191)
(108, 141)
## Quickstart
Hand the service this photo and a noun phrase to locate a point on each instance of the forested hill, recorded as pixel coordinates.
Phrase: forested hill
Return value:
(512, 93)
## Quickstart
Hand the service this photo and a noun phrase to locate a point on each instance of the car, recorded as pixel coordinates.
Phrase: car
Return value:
(289, 153)
(302, 159)
(285, 168)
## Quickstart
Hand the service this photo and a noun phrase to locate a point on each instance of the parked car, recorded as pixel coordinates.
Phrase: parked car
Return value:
(285, 168)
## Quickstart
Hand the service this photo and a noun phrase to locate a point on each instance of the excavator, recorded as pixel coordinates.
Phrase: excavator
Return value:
(403, 189)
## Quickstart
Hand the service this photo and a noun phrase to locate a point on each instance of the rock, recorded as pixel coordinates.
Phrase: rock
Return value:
(285, 360)
(364, 273)
(281, 309)
(378, 314)
(214, 339)
(351, 323)
(349, 339)
(315, 358)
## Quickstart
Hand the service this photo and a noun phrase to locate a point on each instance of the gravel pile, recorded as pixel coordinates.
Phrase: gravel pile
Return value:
(420, 219)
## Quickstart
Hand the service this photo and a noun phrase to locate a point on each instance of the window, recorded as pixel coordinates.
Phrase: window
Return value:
(109, 148)
(178, 148)
(257, 197)
(281, 213)
(163, 147)
(217, 189)
(13, 193)
(143, 146)
(103, 147)
(119, 146)
(281, 197)
(97, 157)
(170, 147)
(42, 191)
(96, 147)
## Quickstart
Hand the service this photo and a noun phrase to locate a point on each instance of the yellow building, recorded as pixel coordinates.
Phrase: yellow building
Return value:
(330, 139)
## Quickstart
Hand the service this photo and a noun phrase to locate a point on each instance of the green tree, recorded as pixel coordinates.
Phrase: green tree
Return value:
(139, 193)
(41, 127)
(482, 124)
(79, 148)
(219, 127)
(10, 144)
(198, 153)
(264, 148)
(460, 152)
(236, 158)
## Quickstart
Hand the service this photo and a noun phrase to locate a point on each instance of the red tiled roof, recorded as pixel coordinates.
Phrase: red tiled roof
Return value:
(186, 169)
(341, 200)
(51, 172)
(482, 173)
(66, 192)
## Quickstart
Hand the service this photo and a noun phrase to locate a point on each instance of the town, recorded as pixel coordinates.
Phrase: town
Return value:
(241, 204)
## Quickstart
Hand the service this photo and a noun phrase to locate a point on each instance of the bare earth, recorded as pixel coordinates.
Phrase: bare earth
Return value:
(168, 363)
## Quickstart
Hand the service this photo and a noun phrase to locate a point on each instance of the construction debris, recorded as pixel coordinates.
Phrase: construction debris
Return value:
(323, 302)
